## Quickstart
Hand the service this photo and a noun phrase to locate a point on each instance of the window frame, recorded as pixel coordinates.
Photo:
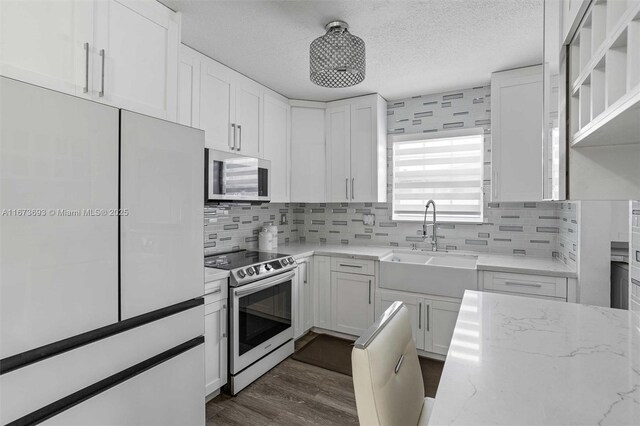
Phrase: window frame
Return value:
(445, 134)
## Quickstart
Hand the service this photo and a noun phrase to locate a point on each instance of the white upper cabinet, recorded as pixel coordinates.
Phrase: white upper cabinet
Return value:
(276, 145)
(137, 67)
(188, 112)
(120, 52)
(308, 162)
(225, 104)
(516, 130)
(246, 103)
(48, 43)
(356, 135)
(338, 127)
(215, 105)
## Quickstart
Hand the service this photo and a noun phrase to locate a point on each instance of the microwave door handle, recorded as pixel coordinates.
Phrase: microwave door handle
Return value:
(254, 288)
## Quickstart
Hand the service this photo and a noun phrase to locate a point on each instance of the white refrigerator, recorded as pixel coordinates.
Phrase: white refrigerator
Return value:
(101, 263)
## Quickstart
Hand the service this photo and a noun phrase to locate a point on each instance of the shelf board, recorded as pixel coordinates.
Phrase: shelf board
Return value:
(605, 45)
(619, 124)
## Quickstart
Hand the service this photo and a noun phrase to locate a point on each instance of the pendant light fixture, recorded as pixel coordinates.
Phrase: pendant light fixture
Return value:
(337, 59)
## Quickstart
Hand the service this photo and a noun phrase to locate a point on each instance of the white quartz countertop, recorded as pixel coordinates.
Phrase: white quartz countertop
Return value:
(486, 262)
(516, 360)
(213, 274)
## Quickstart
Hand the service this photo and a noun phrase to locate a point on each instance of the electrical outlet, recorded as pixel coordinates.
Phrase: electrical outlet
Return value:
(369, 219)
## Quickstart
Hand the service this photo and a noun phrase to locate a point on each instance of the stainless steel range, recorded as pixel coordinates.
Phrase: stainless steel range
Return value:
(260, 315)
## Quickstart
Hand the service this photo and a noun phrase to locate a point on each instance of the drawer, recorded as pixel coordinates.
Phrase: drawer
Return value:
(353, 266)
(215, 291)
(535, 285)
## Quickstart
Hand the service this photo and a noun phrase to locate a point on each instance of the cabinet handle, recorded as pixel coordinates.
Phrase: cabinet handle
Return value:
(495, 183)
(419, 315)
(216, 291)
(428, 306)
(523, 284)
(350, 266)
(346, 188)
(352, 193)
(239, 137)
(233, 126)
(86, 68)
(369, 291)
(223, 324)
(101, 93)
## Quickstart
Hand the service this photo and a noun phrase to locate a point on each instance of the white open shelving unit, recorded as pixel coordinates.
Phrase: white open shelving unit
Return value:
(604, 75)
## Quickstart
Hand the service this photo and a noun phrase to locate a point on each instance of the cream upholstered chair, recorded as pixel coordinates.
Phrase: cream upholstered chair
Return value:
(386, 373)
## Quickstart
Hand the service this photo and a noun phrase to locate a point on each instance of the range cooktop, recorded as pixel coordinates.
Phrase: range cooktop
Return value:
(240, 259)
(247, 266)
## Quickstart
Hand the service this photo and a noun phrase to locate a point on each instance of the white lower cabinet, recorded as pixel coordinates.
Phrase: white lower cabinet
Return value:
(432, 320)
(352, 302)
(539, 286)
(303, 298)
(322, 291)
(441, 321)
(384, 299)
(215, 345)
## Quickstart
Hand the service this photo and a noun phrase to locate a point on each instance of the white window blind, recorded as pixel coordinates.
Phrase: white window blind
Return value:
(446, 167)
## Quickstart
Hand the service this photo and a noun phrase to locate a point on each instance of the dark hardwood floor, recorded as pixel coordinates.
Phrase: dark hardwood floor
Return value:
(293, 393)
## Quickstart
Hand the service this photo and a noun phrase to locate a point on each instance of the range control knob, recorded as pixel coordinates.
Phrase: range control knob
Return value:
(285, 262)
(290, 260)
(268, 267)
(241, 273)
(250, 271)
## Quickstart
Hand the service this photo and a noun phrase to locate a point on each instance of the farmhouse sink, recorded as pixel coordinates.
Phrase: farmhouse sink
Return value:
(434, 273)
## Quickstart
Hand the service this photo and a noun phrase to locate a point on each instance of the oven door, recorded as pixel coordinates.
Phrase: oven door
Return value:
(261, 319)
(233, 177)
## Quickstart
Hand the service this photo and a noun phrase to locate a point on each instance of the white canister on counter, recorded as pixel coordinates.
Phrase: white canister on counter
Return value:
(265, 239)
(274, 232)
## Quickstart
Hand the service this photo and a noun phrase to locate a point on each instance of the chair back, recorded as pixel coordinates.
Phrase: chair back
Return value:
(386, 372)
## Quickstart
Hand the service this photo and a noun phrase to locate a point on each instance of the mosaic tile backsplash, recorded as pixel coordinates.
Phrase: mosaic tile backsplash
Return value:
(543, 229)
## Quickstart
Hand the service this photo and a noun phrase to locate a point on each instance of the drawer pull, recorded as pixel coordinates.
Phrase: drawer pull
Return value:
(351, 266)
(218, 290)
(523, 284)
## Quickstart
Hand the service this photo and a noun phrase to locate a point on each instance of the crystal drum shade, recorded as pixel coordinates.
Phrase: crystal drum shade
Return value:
(337, 59)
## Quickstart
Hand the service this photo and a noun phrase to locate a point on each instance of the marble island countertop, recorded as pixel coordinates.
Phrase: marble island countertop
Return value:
(486, 261)
(517, 360)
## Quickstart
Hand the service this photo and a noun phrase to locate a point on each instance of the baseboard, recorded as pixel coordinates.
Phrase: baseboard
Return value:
(211, 396)
(334, 333)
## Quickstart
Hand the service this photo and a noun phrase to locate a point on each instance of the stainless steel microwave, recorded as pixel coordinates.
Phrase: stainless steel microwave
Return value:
(234, 177)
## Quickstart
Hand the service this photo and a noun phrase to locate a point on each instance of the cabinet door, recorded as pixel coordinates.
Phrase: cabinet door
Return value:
(215, 345)
(43, 42)
(247, 118)
(276, 146)
(352, 307)
(307, 291)
(188, 88)
(138, 70)
(215, 106)
(441, 322)
(308, 163)
(161, 239)
(364, 167)
(322, 290)
(414, 305)
(338, 153)
(516, 127)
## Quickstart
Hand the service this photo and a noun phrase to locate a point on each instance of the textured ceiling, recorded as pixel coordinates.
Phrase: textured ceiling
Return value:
(413, 47)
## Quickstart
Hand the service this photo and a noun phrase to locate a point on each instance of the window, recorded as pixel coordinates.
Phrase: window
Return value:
(446, 167)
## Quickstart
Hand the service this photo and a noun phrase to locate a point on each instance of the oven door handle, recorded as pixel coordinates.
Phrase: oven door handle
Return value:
(253, 288)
